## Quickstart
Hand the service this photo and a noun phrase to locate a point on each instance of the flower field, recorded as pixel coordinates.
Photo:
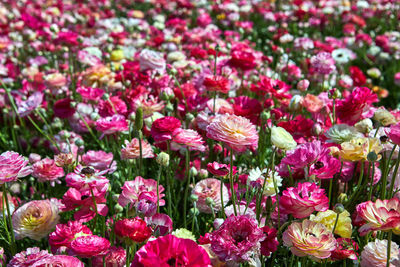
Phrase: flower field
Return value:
(145, 133)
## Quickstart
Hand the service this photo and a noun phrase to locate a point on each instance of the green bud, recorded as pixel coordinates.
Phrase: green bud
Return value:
(139, 118)
(210, 202)
(118, 208)
(339, 208)
(372, 156)
(194, 198)
(79, 142)
(163, 159)
(194, 211)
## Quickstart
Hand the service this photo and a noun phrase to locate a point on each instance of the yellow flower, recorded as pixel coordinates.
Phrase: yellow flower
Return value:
(328, 218)
(384, 117)
(282, 139)
(117, 55)
(359, 148)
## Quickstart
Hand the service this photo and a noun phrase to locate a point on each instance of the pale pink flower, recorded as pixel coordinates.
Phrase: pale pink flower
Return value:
(131, 150)
(132, 190)
(210, 190)
(99, 160)
(111, 125)
(235, 131)
(221, 106)
(309, 238)
(375, 254)
(187, 138)
(382, 215)
(35, 219)
(149, 104)
(13, 166)
(47, 170)
(152, 60)
(303, 200)
(323, 63)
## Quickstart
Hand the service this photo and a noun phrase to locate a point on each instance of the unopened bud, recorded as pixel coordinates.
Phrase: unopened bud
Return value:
(339, 208)
(139, 118)
(163, 159)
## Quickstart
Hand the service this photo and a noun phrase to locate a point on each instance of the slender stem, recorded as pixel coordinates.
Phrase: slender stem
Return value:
(95, 209)
(231, 182)
(222, 196)
(140, 152)
(9, 222)
(372, 181)
(158, 193)
(336, 221)
(388, 249)
(127, 256)
(396, 168)
(330, 191)
(187, 187)
(385, 173)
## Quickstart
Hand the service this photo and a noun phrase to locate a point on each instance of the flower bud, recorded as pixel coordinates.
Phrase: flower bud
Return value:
(139, 118)
(163, 159)
(210, 202)
(194, 211)
(295, 104)
(193, 198)
(117, 55)
(339, 208)
(372, 156)
(193, 172)
(342, 198)
(118, 208)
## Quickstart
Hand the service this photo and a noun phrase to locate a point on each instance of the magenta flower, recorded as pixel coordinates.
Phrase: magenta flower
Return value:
(160, 223)
(162, 129)
(237, 239)
(87, 178)
(394, 133)
(99, 160)
(46, 170)
(110, 125)
(89, 93)
(28, 257)
(115, 257)
(12, 167)
(88, 246)
(59, 261)
(235, 131)
(64, 234)
(303, 200)
(171, 251)
(312, 156)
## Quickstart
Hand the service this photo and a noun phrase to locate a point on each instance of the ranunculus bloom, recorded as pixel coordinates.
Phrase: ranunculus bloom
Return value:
(303, 200)
(88, 246)
(132, 190)
(359, 148)
(135, 229)
(89, 93)
(216, 83)
(115, 257)
(210, 188)
(270, 243)
(309, 238)
(35, 219)
(242, 59)
(46, 170)
(87, 178)
(345, 249)
(375, 254)
(187, 138)
(152, 60)
(13, 166)
(111, 106)
(323, 63)
(161, 224)
(64, 234)
(99, 160)
(28, 257)
(33, 102)
(218, 169)
(131, 150)
(282, 139)
(113, 124)
(237, 239)
(328, 218)
(312, 156)
(162, 129)
(382, 215)
(63, 109)
(235, 131)
(394, 133)
(59, 261)
(171, 251)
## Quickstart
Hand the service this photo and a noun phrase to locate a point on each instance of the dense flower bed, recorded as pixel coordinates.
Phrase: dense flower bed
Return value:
(199, 133)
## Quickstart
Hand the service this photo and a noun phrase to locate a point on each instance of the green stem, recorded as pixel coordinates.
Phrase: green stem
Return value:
(222, 197)
(187, 187)
(231, 183)
(372, 181)
(158, 184)
(140, 153)
(336, 221)
(95, 209)
(396, 168)
(127, 256)
(388, 249)
(385, 173)
(9, 222)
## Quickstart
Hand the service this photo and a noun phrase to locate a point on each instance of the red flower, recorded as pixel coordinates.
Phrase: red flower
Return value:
(345, 248)
(135, 229)
(162, 128)
(270, 243)
(243, 60)
(358, 76)
(216, 83)
(62, 108)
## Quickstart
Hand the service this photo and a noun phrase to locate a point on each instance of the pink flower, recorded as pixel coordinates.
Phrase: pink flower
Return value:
(35, 219)
(28, 257)
(111, 106)
(394, 133)
(345, 249)
(90, 94)
(47, 170)
(64, 234)
(237, 239)
(187, 138)
(111, 125)
(59, 261)
(210, 189)
(323, 63)
(115, 257)
(375, 254)
(270, 243)
(309, 238)
(132, 190)
(170, 250)
(312, 156)
(33, 102)
(162, 128)
(218, 169)
(382, 215)
(87, 178)
(131, 150)
(236, 132)
(161, 224)
(304, 200)
(99, 160)
(216, 83)
(12, 167)
(89, 246)
(135, 229)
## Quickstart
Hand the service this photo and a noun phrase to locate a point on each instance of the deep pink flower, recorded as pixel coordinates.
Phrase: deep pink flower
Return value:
(135, 229)
(90, 94)
(394, 133)
(247, 107)
(303, 200)
(46, 170)
(67, 38)
(346, 248)
(236, 132)
(161, 224)
(162, 128)
(312, 156)
(270, 243)
(132, 190)
(87, 178)
(115, 257)
(237, 239)
(218, 169)
(242, 59)
(64, 234)
(216, 83)
(28, 257)
(13, 166)
(111, 106)
(59, 261)
(170, 250)
(187, 138)
(111, 125)
(62, 108)
(89, 245)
